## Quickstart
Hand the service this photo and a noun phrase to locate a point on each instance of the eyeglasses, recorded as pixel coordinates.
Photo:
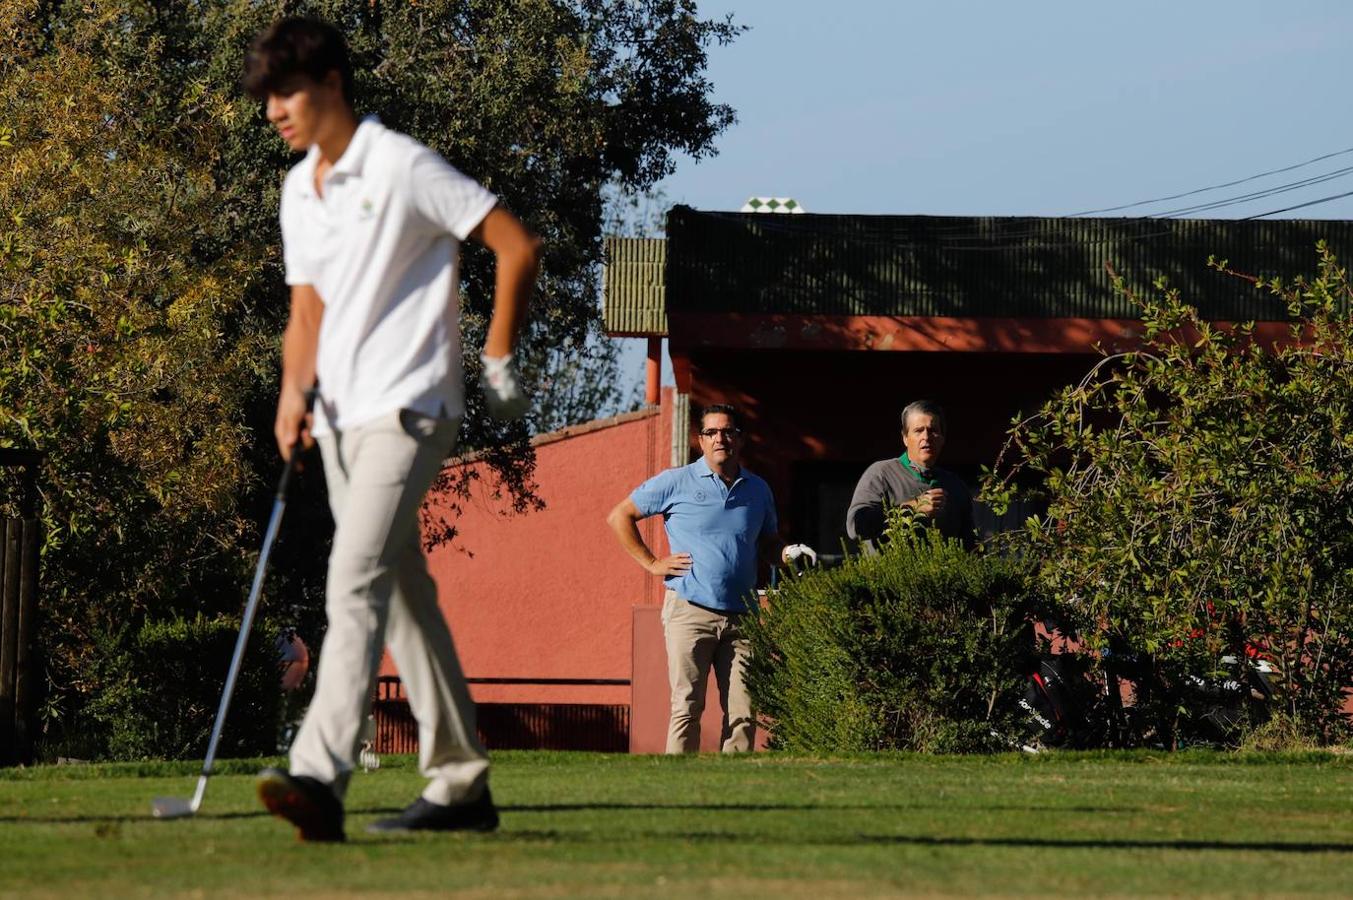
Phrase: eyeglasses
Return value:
(726, 432)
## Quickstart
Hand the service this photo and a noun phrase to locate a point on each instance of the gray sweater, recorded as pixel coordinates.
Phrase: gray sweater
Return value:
(888, 483)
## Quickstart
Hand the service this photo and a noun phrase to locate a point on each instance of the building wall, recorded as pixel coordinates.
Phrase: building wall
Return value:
(549, 593)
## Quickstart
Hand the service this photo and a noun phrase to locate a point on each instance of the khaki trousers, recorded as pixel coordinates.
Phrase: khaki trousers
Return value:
(696, 639)
(378, 593)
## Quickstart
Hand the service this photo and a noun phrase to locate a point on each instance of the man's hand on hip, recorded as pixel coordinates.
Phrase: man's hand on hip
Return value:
(676, 564)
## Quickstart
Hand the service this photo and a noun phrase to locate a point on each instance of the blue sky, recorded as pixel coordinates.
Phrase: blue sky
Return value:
(1040, 107)
(1031, 108)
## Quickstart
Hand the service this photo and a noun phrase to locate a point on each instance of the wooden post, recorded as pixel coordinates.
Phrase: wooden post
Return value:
(653, 371)
(25, 661)
(20, 548)
(9, 640)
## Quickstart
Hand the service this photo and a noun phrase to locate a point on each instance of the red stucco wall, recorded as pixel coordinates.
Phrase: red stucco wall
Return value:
(549, 593)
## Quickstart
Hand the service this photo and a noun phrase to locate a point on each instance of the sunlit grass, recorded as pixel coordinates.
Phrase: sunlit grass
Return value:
(764, 825)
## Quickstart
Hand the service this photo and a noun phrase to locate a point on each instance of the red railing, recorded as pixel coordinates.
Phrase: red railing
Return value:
(513, 726)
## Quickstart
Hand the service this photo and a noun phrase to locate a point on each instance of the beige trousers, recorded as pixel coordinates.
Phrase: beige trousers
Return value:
(696, 639)
(378, 593)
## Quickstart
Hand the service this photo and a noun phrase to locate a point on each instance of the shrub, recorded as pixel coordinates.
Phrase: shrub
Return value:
(1199, 494)
(1280, 734)
(163, 688)
(919, 647)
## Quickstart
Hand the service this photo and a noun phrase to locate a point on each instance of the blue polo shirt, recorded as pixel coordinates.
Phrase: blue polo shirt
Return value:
(718, 525)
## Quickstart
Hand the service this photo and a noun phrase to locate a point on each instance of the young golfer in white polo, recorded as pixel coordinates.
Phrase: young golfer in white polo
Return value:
(371, 228)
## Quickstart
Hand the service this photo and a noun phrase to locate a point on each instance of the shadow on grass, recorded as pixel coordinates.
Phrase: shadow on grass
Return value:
(612, 807)
(127, 819)
(725, 837)
(808, 807)
(903, 840)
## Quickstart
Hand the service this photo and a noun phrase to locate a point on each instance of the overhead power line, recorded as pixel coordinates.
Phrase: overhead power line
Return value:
(1027, 234)
(951, 235)
(1274, 212)
(1213, 187)
(1256, 195)
(963, 233)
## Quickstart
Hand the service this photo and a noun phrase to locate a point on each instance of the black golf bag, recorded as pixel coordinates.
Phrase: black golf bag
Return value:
(1050, 709)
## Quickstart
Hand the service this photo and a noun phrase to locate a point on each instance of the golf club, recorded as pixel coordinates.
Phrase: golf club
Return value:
(179, 807)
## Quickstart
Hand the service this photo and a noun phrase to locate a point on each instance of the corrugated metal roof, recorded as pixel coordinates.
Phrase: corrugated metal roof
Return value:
(633, 292)
(970, 266)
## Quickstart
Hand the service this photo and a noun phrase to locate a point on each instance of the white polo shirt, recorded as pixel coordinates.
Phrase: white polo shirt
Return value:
(381, 247)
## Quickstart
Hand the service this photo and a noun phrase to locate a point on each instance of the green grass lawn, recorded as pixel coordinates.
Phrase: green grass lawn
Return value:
(764, 825)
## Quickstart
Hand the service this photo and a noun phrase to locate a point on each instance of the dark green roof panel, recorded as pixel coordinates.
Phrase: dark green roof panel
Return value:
(977, 266)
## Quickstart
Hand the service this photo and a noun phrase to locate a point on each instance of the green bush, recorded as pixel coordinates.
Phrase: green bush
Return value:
(162, 687)
(920, 647)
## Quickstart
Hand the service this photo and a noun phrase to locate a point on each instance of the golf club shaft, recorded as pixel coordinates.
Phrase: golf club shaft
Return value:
(279, 506)
(274, 523)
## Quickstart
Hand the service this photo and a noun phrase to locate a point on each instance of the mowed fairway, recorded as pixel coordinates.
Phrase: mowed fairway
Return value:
(766, 825)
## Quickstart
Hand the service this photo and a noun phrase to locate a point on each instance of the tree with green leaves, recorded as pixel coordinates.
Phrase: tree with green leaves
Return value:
(1200, 506)
(143, 295)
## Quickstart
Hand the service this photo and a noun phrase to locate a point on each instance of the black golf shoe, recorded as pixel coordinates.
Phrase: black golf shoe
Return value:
(305, 802)
(478, 815)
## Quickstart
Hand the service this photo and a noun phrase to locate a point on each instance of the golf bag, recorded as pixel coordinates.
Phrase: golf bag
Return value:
(1050, 711)
(1064, 706)
(1220, 706)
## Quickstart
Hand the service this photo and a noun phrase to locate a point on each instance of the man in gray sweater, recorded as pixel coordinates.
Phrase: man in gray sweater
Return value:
(912, 479)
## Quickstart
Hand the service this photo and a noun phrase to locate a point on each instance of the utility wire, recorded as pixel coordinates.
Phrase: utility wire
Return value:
(1214, 187)
(964, 233)
(1274, 212)
(952, 233)
(1210, 205)
(1256, 195)
(961, 236)
(948, 235)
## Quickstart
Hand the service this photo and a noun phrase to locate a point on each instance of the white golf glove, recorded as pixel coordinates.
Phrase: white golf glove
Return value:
(794, 552)
(502, 393)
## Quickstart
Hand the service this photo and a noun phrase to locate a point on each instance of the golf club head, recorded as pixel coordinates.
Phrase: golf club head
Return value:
(171, 808)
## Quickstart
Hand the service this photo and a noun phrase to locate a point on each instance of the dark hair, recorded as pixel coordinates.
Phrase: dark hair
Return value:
(928, 408)
(720, 409)
(296, 46)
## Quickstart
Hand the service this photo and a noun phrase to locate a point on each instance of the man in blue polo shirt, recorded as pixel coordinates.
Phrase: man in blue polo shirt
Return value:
(719, 517)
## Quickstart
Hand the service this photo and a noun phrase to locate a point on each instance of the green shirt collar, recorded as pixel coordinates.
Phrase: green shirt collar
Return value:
(927, 477)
